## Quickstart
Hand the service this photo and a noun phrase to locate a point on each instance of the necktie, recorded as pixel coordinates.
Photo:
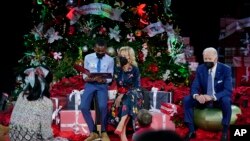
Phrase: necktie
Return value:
(99, 65)
(209, 84)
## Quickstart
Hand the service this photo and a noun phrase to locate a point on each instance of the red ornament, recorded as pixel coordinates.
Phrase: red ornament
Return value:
(71, 30)
(140, 56)
(102, 30)
(153, 68)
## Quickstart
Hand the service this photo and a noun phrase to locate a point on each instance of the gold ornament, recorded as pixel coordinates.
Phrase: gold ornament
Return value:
(210, 118)
(79, 62)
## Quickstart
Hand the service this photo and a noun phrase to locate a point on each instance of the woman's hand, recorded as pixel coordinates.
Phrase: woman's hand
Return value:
(118, 100)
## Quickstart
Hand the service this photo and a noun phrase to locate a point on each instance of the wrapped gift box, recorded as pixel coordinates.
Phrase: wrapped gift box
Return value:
(168, 108)
(74, 100)
(242, 76)
(231, 52)
(72, 120)
(161, 121)
(241, 61)
(71, 101)
(62, 101)
(160, 97)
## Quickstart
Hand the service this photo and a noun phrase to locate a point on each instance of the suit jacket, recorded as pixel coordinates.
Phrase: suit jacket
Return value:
(222, 81)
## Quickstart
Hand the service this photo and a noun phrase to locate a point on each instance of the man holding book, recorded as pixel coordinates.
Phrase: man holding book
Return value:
(99, 69)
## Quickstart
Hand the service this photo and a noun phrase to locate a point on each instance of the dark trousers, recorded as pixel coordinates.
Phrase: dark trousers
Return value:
(224, 104)
(101, 94)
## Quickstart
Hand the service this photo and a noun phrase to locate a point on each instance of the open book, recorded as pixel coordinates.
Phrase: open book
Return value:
(98, 74)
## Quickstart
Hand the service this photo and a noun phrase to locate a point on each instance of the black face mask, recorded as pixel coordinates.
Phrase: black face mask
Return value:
(123, 61)
(209, 64)
(100, 55)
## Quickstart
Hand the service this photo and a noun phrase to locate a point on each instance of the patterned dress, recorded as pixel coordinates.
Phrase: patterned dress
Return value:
(132, 100)
(31, 120)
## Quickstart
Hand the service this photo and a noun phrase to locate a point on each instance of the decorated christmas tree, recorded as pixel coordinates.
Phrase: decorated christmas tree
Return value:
(64, 32)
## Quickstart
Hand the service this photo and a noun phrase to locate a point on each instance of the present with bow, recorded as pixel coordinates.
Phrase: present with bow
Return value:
(168, 108)
(57, 108)
(77, 124)
(74, 99)
(242, 71)
(73, 120)
(157, 97)
(61, 101)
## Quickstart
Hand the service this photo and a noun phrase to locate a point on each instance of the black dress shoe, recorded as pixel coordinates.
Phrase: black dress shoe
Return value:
(224, 137)
(189, 136)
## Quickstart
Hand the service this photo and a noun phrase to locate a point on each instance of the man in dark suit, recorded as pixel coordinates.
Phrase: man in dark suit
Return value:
(219, 93)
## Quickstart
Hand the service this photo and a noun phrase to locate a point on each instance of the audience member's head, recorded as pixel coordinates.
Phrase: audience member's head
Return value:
(144, 118)
(159, 135)
(37, 81)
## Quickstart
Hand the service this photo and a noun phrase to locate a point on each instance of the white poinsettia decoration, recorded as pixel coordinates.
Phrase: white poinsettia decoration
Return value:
(52, 35)
(37, 31)
(171, 36)
(188, 50)
(88, 26)
(116, 14)
(180, 59)
(114, 33)
(166, 75)
(144, 51)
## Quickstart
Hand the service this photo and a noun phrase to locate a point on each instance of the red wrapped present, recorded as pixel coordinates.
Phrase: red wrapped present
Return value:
(161, 121)
(241, 61)
(62, 101)
(242, 76)
(168, 108)
(72, 120)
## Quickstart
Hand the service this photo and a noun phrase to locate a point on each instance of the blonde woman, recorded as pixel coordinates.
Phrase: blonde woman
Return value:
(129, 99)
